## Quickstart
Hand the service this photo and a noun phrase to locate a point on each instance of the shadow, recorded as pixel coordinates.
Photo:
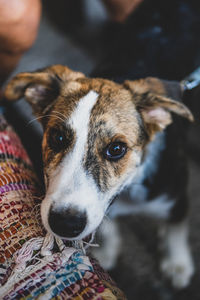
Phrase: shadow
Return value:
(70, 17)
(33, 144)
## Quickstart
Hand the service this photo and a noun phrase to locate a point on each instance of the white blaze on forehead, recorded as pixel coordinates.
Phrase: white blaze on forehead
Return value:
(71, 186)
(71, 174)
(79, 121)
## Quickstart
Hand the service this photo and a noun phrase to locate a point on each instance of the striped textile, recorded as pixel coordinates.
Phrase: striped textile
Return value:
(18, 184)
(24, 272)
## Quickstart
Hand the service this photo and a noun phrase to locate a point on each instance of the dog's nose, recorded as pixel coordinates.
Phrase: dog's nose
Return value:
(67, 223)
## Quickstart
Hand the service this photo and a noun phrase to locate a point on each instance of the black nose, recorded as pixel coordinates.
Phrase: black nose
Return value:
(67, 223)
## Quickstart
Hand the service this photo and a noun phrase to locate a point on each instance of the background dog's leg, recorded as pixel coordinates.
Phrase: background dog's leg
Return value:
(109, 249)
(177, 263)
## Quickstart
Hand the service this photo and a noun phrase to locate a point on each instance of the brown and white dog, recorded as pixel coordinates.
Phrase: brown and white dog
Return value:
(101, 137)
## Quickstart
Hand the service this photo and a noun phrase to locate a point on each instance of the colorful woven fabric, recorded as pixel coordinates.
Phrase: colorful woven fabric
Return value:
(18, 184)
(31, 266)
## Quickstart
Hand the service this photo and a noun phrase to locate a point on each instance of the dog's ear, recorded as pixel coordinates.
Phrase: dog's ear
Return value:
(40, 88)
(156, 99)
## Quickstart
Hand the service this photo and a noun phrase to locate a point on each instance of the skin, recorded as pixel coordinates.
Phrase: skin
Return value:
(19, 21)
(119, 10)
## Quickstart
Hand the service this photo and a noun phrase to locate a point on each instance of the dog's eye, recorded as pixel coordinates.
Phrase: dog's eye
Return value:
(57, 140)
(115, 151)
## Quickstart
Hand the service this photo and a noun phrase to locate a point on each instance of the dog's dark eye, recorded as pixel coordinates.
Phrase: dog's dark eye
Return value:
(57, 140)
(115, 151)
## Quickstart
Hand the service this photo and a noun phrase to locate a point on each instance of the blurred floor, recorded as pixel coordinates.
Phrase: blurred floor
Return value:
(67, 37)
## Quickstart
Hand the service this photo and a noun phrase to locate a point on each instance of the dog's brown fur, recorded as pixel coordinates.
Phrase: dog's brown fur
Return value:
(54, 92)
(131, 114)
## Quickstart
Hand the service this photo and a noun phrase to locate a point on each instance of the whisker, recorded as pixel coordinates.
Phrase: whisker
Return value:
(56, 117)
(38, 197)
(107, 217)
(35, 119)
(41, 117)
(57, 112)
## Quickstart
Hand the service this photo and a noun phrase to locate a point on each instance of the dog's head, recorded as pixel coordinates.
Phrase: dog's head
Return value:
(95, 132)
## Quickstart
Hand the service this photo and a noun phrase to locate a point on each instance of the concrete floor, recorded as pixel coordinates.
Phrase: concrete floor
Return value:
(82, 47)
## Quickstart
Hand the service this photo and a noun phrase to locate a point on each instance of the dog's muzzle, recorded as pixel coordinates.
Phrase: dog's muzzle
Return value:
(67, 223)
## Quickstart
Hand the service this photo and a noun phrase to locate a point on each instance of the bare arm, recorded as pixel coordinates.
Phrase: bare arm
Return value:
(19, 21)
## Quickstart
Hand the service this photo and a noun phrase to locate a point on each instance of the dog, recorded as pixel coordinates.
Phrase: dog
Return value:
(100, 138)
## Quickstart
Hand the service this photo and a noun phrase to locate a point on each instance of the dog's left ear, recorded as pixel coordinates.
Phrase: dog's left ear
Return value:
(40, 88)
(156, 99)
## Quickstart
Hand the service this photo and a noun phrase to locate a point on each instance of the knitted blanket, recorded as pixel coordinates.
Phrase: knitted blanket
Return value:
(33, 266)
